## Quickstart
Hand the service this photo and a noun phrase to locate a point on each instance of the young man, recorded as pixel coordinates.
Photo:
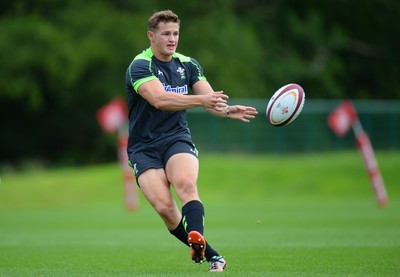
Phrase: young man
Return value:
(160, 146)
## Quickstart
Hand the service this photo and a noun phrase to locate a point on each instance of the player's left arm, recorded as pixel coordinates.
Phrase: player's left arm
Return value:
(239, 112)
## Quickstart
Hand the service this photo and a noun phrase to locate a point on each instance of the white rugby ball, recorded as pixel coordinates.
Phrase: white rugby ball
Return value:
(285, 105)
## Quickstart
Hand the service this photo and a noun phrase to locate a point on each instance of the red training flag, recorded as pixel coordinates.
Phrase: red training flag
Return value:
(342, 118)
(113, 115)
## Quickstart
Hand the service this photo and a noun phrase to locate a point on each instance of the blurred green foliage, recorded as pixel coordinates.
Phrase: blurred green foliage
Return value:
(62, 60)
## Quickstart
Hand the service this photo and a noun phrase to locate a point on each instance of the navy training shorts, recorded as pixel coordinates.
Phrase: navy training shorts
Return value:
(157, 155)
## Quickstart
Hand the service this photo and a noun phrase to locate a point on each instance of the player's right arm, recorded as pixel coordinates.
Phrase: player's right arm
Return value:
(154, 93)
(143, 81)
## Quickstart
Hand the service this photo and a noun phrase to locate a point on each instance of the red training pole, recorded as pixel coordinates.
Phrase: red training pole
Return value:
(131, 198)
(365, 146)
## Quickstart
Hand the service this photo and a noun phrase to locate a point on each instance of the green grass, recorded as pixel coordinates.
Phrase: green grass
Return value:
(317, 217)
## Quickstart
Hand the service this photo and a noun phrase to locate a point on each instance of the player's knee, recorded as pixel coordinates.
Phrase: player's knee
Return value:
(165, 210)
(188, 188)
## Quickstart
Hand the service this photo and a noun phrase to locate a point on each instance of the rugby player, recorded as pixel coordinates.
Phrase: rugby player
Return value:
(161, 84)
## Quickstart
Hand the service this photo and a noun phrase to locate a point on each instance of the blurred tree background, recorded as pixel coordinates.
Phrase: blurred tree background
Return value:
(62, 60)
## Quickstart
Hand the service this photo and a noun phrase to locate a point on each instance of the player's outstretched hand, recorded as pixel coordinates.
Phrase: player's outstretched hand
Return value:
(243, 113)
(215, 100)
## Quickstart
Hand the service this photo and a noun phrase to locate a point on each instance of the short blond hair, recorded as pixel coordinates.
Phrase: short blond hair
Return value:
(162, 16)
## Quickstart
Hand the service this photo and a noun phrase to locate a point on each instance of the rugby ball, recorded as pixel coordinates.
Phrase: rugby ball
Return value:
(285, 105)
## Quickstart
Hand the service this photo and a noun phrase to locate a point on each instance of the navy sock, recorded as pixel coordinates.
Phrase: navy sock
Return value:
(180, 233)
(193, 216)
(210, 252)
(193, 220)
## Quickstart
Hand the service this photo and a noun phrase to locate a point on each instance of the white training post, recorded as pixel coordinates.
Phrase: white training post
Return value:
(365, 146)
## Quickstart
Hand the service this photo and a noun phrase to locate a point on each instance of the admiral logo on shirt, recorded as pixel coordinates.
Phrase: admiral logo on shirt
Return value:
(180, 90)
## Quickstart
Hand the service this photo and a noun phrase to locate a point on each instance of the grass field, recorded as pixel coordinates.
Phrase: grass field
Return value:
(301, 215)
